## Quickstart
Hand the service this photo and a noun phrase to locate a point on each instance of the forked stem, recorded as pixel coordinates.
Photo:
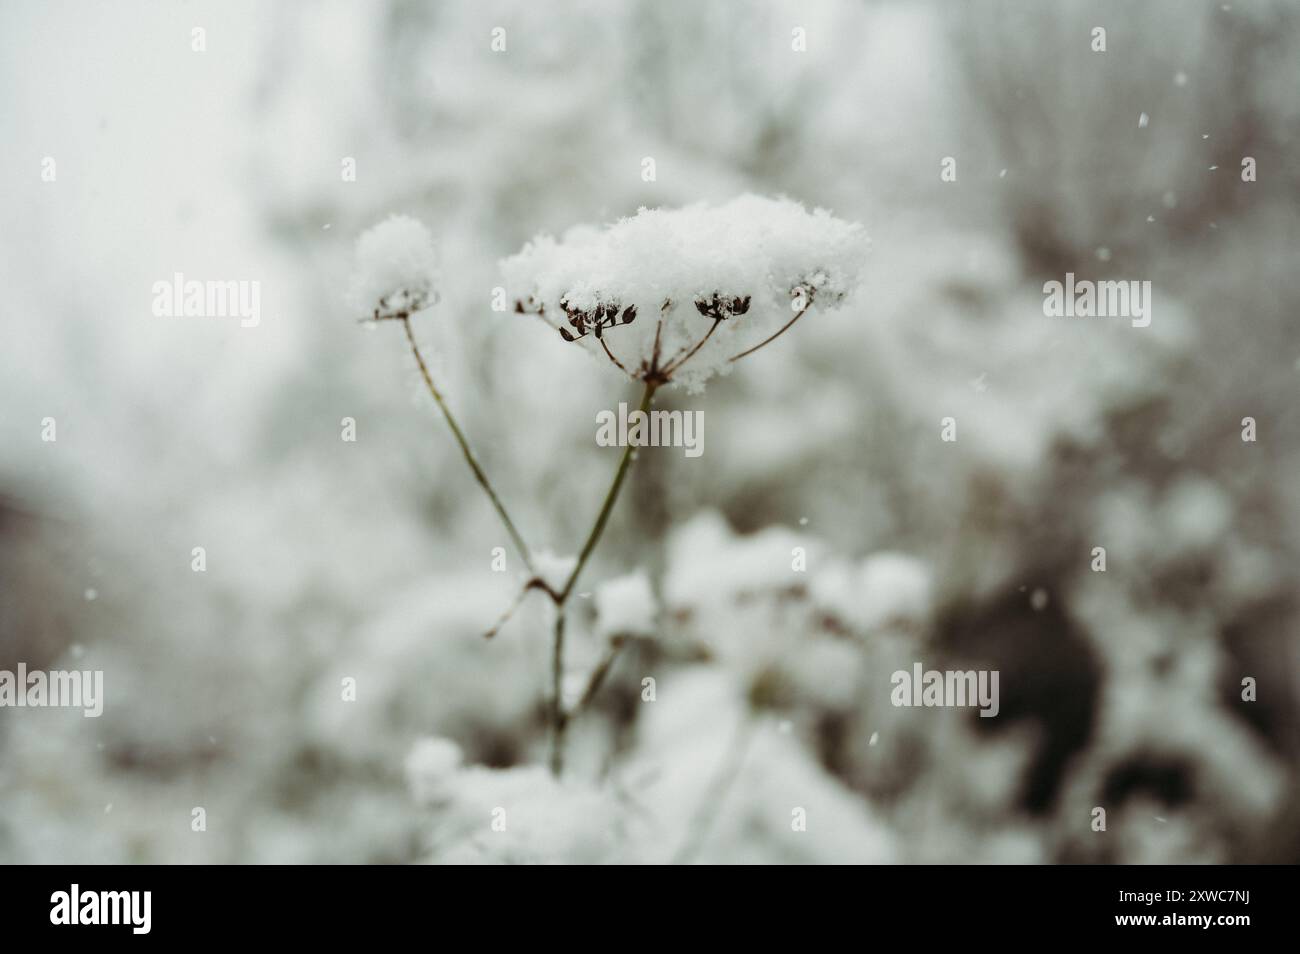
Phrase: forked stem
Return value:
(559, 718)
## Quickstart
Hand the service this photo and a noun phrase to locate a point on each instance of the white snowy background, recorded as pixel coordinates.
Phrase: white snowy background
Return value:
(372, 560)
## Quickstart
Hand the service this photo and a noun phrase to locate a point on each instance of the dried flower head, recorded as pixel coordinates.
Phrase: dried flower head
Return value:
(585, 321)
(396, 266)
(722, 307)
(748, 267)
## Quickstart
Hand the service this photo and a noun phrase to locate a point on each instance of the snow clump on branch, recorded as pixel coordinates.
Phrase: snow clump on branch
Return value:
(678, 294)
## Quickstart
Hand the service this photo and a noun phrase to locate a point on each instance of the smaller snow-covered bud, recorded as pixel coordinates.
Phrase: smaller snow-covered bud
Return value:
(817, 286)
(396, 266)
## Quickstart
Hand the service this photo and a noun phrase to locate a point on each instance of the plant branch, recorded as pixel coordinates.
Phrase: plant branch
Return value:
(659, 330)
(799, 314)
(559, 718)
(678, 362)
(465, 450)
(559, 721)
(597, 678)
(536, 583)
(614, 359)
(610, 497)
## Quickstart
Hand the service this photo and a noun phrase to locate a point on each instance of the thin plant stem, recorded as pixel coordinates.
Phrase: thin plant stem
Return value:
(614, 359)
(559, 721)
(610, 497)
(597, 678)
(678, 362)
(510, 611)
(799, 314)
(659, 330)
(559, 718)
(465, 450)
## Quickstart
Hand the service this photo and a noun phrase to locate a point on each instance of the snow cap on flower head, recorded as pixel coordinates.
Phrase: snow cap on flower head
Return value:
(396, 265)
(665, 277)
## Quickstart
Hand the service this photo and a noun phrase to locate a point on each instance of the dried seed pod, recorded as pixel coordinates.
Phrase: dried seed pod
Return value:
(604, 314)
(529, 307)
(720, 307)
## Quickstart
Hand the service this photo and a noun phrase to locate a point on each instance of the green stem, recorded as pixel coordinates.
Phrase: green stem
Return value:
(598, 676)
(559, 718)
(559, 721)
(469, 454)
(612, 495)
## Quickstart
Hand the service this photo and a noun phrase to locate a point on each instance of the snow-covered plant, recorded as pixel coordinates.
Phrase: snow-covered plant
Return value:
(667, 297)
(677, 295)
(396, 268)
